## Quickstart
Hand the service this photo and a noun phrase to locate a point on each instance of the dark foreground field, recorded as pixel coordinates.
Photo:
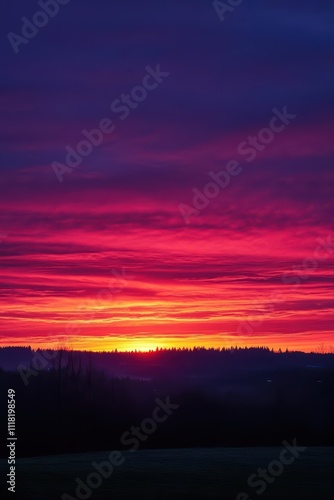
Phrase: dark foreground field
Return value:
(179, 474)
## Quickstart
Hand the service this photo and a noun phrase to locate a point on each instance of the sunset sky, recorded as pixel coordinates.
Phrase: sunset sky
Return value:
(105, 259)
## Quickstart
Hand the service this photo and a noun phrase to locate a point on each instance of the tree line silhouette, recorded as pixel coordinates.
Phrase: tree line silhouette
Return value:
(84, 401)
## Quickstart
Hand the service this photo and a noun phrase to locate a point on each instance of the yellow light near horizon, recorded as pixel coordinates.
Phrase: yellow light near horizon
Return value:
(143, 346)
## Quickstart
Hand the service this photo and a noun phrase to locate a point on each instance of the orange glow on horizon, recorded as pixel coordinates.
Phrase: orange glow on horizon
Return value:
(145, 344)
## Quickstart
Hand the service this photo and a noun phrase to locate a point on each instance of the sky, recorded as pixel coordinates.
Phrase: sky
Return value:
(202, 214)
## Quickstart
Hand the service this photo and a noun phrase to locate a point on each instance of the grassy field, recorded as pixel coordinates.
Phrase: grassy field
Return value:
(194, 474)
